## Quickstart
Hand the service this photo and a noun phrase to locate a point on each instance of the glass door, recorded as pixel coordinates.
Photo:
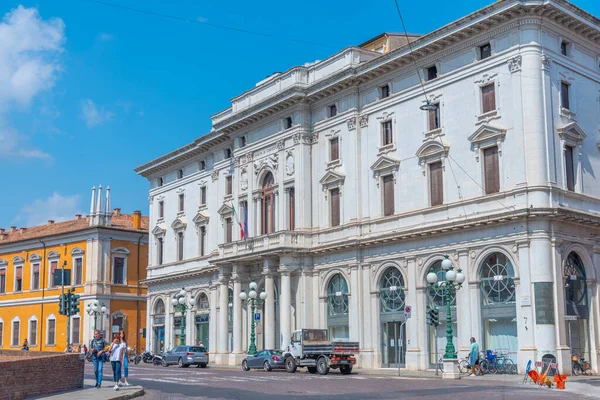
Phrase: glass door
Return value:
(393, 344)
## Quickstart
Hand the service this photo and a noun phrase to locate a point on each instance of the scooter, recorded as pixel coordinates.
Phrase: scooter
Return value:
(147, 357)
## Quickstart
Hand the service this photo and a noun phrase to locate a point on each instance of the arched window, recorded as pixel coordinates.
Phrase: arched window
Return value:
(391, 291)
(497, 284)
(435, 292)
(159, 307)
(268, 204)
(203, 304)
(575, 281)
(337, 295)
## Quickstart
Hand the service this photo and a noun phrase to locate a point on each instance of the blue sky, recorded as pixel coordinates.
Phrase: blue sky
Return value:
(89, 91)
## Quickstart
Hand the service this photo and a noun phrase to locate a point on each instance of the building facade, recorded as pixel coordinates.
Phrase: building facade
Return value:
(333, 189)
(106, 253)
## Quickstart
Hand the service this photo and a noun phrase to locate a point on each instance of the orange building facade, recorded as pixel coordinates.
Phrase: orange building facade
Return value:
(106, 253)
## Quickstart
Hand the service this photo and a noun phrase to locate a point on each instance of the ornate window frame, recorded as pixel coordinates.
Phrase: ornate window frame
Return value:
(33, 260)
(76, 254)
(385, 165)
(18, 262)
(47, 336)
(53, 256)
(484, 80)
(120, 252)
(33, 343)
(430, 152)
(12, 332)
(573, 136)
(382, 119)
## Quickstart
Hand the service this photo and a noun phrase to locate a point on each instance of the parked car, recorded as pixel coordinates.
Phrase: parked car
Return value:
(265, 359)
(184, 356)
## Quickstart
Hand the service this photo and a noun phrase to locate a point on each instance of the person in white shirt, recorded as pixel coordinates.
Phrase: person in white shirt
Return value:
(117, 351)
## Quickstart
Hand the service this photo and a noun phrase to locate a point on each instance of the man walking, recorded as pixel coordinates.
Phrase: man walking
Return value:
(474, 356)
(97, 348)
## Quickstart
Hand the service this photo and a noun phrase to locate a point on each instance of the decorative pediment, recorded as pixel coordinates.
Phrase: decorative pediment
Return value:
(159, 230)
(35, 257)
(179, 224)
(18, 260)
(225, 209)
(53, 254)
(432, 149)
(121, 250)
(76, 251)
(332, 178)
(201, 218)
(3, 262)
(487, 133)
(572, 133)
(385, 163)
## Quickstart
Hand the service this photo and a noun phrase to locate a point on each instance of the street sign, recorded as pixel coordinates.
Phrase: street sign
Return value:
(58, 277)
(570, 317)
(406, 315)
(407, 309)
(257, 316)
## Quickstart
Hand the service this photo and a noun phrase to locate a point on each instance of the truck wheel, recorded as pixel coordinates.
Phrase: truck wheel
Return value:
(322, 367)
(312, 370)
(290, 365)
(346, 370)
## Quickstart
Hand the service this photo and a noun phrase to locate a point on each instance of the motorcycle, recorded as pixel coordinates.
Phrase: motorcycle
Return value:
(580, 366)
(147, 357)
(158, 359)
(133, 356)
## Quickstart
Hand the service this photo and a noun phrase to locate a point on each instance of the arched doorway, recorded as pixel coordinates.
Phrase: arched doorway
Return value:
(202, 320)
(498, 308)
(267, 204)
(436, 298)
(158, 326)
(391, 315)
(337, 308)
(577, 310)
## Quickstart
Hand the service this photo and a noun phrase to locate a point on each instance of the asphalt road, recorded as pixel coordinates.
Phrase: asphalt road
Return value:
(174, 383)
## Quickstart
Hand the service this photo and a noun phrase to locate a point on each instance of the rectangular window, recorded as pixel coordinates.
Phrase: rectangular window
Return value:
(436, 183)
(159, 250)
(434, 118)
(203, 196)
(202, 165)
(179, 173)
(33, 333)
(242, 141)
(2, 280)
(78, 280)
(488, 98)
(53, 267)
(564, 95)
(335, 207)
(292, 208)
(485, 51)
(385, 91)
(227, 154)
(228, 185)
(51, 339)
(431, 72)
(228, 230)
(16, 333)
(287, 122)
(181, 202)
(202, 240)
(332, 110)
(161, 209)
(18, 279)
(388, 195)
(569, 168)
(119, 270)
(386, 128)
(334, 149)
(491, 170)
(179, 246)
(35, 276)
(75, 329)
(564, 48)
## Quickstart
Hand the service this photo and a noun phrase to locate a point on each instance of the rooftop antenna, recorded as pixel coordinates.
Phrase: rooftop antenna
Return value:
(427, 106)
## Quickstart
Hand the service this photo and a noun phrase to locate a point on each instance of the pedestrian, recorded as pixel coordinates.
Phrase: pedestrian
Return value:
(97, 348)
(474, 356)
(116, 359)
(126, 358)
(84, 349)
(25, 345)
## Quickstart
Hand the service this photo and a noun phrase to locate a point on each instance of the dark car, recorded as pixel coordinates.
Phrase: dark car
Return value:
(265, 359)
(184, 356)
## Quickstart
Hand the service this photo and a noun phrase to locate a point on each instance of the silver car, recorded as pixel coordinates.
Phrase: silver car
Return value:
(184, 356)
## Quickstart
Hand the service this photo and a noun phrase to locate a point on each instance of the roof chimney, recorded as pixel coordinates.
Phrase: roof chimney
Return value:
(77, 216)
(50, 221)
(13, 228)
(1, 230)
(22, 230)
(117, 212)
(137, 219)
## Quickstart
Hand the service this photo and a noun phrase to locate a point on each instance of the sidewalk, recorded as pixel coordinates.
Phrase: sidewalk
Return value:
(89, 392)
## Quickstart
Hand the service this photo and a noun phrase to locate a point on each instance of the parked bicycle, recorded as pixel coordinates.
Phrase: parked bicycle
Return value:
(580, 366)
(494, 363)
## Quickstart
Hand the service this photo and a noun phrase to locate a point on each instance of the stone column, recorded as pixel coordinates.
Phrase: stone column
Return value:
(368, 344)
(223, 323)
(269, 317)
(237, 314)
(354, 310)
(212, 327)
(463, 306)
(412, 324)
(285, 312)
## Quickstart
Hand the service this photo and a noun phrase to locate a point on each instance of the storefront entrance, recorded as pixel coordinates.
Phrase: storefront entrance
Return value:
(393, 344)
(202, 325)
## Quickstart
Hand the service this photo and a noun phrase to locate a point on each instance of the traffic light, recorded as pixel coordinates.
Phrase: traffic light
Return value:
(435, 317)
(73, 303)
(62, 305)
(428, 314)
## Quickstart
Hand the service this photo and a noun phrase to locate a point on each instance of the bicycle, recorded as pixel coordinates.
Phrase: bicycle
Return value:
(580, 366)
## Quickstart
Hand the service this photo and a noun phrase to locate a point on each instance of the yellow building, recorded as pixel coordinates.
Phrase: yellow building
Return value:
(106, 253)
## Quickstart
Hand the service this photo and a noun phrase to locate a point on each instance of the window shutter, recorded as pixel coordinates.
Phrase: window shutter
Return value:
(292, 215)
(335, 149)
(436, 185)
(36, 268)
(570, 171)
(19, 272)
(492, 173)
(335, 207)
(388, 195)
(488, 98)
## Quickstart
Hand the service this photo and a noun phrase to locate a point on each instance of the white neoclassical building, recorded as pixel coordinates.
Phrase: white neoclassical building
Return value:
(330, 187)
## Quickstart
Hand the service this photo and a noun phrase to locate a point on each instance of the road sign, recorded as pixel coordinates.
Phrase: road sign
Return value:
(570, 317)
(257, 316)
(406, 315)
(407, 309)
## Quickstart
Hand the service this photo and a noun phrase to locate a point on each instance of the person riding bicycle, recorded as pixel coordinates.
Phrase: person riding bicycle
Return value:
(473, 355)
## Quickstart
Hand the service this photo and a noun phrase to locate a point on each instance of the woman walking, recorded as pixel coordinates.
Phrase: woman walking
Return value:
(116, 359)
(474, 356)
(126, 358)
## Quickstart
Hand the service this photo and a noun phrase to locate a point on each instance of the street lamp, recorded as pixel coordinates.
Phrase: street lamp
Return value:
(250, 299)
(182, 303)
(453, 282)
(94, 309)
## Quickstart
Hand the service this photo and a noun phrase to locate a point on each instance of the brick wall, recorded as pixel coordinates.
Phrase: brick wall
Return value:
(25, 374)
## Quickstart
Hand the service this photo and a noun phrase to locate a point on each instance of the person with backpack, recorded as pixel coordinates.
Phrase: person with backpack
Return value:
(97, 348)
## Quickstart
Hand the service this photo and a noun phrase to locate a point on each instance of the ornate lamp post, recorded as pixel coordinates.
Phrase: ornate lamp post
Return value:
(251, 300)
(182, 303)
(94, 309)
(453, 282)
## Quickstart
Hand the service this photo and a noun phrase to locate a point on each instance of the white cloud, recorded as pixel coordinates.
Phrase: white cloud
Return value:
(29, 65)
(105, 37)
(55, 207)
(93, 115)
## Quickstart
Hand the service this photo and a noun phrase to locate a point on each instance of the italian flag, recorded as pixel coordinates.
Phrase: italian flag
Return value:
(237, 218)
